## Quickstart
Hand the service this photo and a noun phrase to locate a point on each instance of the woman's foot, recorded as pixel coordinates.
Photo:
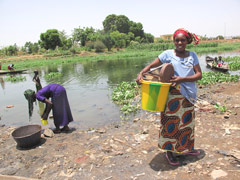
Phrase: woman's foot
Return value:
(57, 130)
(65, 129)
(171, 160)
(194, 153)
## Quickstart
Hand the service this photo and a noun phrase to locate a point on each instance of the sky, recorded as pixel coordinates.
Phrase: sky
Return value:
(22, 21)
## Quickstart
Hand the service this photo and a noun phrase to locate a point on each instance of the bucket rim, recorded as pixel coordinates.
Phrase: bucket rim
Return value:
(154, 82)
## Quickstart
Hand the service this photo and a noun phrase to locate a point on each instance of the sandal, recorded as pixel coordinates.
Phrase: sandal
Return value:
(57, 131)
(170, 161)
(194, 153)
(65, 129)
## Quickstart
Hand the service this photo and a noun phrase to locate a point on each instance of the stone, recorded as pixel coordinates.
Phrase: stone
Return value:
(218, 173)
(48, 133)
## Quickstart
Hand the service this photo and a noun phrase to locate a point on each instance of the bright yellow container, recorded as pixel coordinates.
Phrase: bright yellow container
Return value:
(44, 122)
(154, 95)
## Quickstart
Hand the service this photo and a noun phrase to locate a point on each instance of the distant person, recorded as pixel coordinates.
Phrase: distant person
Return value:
(10, 67)
(36, 79)
(215, 61)
(220, 61)
(0, 65)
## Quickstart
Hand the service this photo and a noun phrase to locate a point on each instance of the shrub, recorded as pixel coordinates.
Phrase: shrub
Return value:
(99, 46)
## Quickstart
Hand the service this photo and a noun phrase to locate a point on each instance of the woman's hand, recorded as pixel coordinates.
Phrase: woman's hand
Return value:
(176, 80)
(139, 78)
(48, 101)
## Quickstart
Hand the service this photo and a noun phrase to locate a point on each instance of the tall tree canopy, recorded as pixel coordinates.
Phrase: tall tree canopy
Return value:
(50, 39)
(116, 23)
(122, 24)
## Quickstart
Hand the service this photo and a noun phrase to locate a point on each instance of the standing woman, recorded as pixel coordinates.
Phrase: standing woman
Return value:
(177, 121)
(36, 79)
(61, 110)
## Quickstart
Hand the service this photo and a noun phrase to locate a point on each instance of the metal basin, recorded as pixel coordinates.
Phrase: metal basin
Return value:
(27, 136)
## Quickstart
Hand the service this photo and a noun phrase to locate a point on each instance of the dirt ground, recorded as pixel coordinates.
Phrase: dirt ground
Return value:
(129, 150)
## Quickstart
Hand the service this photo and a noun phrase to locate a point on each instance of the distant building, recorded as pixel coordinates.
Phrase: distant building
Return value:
(167, 37)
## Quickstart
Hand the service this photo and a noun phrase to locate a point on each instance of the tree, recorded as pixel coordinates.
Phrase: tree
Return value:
(50, 39)
(116, 23)
(31, 47)
(136, 29)
(66, 42)
(149, 38)
(83, 35)
(99, 46)
(107, 41)
(220, 37)
(119, 39)
(11, 50)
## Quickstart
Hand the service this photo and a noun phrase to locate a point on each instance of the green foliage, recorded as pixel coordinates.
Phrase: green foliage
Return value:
(90, 45)
(50, 39)
(124, 94)
(53, 75)
(99, 46)
(152, 46)
(15, 78)
(107, 41)
(31, 47)
(10, 50)
(219, 37)
(83, 35)
(122, 24)
(119, 39)
(233, 62)
(136, 29)
(220, 108)
(149, 38)
(116, 23)
(66, 42)
(217, 77)
(234, 66)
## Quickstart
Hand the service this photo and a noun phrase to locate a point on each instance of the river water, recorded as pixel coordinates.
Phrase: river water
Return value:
(89, 85)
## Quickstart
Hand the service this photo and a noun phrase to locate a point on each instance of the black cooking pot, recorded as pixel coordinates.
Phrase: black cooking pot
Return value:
(27, 136)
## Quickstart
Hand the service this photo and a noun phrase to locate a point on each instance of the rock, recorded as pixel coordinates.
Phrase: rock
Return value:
(236, 106)
(218, 173)
(145, 131)
(101, 131)
(48, 133)
(136, 119)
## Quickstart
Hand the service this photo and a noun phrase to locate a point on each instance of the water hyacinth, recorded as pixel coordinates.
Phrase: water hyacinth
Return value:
(217, 77)
(15, 78)
(53, 75)
(125, 95)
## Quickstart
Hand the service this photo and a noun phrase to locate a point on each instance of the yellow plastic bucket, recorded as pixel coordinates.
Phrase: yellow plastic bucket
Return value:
(44, 122)
(154, 95)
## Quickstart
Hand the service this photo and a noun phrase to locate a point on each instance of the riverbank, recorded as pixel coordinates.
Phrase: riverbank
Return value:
(129, 150)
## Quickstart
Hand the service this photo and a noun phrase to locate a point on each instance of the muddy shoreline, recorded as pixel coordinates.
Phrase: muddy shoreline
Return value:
(129, 150)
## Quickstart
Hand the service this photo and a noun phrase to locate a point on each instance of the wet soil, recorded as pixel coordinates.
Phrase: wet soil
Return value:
(128, 150)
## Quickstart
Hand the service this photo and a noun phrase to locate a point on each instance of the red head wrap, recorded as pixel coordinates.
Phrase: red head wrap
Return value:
(190, 36)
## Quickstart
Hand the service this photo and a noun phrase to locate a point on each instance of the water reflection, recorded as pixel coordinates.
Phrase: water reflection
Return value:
(2, 83)
(88, 84)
